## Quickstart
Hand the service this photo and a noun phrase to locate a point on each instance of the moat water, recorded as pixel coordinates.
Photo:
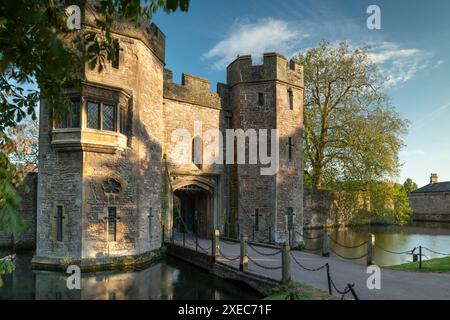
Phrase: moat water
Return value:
(435, 236)
(169, 279)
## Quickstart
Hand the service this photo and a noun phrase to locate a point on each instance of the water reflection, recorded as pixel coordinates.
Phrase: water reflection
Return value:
(166, 280)
(435, 236)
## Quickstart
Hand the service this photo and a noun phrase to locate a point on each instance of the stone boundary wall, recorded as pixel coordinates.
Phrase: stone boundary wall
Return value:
(430, 206)
(27, 239)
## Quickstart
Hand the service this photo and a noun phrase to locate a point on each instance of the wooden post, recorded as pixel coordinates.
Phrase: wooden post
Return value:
(196, 241)
(173, 234)
(325, 252)
(286, 263)
(162, 236)
(270, 234)
(370, 244)
(216, 242)
(243, 264)
(420, 257)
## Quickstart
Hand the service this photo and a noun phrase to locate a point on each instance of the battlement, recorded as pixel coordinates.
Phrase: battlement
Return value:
(275, 67)
(194, 90)
(143, 30)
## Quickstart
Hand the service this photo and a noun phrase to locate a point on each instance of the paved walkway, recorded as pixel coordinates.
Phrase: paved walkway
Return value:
(395, 284)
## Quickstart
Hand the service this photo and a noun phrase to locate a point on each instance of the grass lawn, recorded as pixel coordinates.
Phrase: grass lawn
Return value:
(304, 292)
(432, 265)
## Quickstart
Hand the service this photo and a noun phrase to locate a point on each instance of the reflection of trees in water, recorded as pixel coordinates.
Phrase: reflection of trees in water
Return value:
(165, 280)
(432, 235)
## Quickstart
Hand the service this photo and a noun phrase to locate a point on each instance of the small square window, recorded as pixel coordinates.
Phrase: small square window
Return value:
(260, 99)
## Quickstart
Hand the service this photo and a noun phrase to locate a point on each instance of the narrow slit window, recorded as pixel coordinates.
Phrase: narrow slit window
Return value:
(256, 219)
(260, 99)
(112, 223)
(290, 145)
(115, 62)
(59, 223)
(93, 116)
(290, 99)
(150, 217)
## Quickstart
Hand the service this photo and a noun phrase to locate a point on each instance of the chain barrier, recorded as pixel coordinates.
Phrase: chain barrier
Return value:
(205, 250)
(436, 252)
(264, 267)
(306, 268)
(348, 258)
(345, 246)
(265, 253)
(228, 258)
(395, 252)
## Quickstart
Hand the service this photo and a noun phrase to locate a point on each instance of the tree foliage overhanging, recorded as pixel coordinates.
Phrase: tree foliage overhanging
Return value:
(352, 133)
(39, 56)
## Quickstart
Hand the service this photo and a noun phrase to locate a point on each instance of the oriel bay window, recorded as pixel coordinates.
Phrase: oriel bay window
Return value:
(101, 116)
(97, 122)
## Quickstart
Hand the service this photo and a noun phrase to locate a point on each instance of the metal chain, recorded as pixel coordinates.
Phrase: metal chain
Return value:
(263, 253)
(394, 252)
(436, 252)
(348, 258)
(307, 269)
(343, 292)
(229, 259)
(345, 246)
(264, 267)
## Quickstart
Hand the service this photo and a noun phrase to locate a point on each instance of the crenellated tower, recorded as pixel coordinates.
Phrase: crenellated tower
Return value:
(269, 96)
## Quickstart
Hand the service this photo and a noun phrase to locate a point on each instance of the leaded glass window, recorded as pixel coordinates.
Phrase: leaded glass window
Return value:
(93, 115)
(108, 118)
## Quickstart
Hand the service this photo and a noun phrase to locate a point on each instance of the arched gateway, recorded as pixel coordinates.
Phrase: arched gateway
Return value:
(193, 205)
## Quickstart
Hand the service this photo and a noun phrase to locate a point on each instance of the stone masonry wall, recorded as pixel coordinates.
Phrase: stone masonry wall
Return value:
(271, 195)
(27, 238)
(139, 168)
(431, 206)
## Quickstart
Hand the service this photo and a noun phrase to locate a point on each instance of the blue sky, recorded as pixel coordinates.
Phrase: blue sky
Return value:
(412, 48)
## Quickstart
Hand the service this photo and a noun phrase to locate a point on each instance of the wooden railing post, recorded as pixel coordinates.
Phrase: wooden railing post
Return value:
(216, 243)
(325, 251)
(243, 264)
(370, 252)
(286, 263)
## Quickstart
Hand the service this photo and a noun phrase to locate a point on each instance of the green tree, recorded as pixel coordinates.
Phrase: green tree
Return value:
(409, 185)
(39, 56)
(352, 133)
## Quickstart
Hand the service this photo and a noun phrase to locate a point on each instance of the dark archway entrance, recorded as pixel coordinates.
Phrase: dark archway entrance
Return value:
(192, 211)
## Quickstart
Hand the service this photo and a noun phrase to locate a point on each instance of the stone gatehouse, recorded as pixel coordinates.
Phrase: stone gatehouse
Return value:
(108, 183)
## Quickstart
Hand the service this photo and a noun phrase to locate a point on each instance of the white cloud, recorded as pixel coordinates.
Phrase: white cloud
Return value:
(256, 38)
(399, 64)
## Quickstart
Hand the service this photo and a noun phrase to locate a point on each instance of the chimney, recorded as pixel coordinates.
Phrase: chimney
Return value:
(434, 178)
